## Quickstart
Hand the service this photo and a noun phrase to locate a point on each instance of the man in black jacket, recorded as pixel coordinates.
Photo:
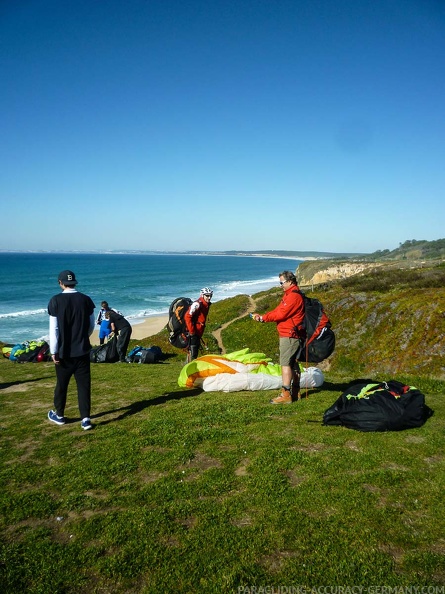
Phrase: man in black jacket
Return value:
(120, 326)
(71, 324)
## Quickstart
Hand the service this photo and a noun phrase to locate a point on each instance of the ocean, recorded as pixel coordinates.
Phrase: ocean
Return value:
(138, 285)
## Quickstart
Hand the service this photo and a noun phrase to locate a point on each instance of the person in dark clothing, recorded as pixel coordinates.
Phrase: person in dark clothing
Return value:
(123, 329)
(71, 323)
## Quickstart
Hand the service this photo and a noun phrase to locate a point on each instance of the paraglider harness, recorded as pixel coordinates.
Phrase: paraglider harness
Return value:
(179, 336)
(315, 332)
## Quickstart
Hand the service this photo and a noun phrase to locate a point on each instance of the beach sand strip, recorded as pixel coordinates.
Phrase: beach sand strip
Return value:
(148, 327)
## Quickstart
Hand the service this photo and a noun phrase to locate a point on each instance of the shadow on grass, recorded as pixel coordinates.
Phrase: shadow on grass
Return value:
(18, 383)
(137, 407)
(343, 386)
(166, 356)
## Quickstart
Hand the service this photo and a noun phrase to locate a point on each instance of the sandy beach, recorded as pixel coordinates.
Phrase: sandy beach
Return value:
(141, 330)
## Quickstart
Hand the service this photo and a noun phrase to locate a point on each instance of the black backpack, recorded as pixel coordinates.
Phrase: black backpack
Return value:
(378, 406)
(105, 353)
(140, 354)
(152, 354)
(176, 326)
(319, 338)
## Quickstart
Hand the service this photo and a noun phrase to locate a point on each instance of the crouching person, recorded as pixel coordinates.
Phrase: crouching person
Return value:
(122, 328)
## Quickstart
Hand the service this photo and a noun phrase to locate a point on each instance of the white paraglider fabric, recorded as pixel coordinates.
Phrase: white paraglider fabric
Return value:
(228, 382)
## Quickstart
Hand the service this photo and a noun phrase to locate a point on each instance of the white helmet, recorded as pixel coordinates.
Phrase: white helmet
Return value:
(207, 291)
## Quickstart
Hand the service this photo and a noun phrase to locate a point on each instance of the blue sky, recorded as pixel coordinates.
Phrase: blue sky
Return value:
(217, 125)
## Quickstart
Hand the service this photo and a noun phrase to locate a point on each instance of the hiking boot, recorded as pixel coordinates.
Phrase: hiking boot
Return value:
(86, 424)
(283, 398)
(54, 417)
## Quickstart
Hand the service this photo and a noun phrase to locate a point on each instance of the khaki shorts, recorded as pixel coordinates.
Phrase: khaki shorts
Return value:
(289, 350)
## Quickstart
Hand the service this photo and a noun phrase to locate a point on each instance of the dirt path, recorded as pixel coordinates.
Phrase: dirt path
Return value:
(217, 333)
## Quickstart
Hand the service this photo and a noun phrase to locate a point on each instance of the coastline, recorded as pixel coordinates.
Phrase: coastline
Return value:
(23, 318)
(149, 253)
(141, 329)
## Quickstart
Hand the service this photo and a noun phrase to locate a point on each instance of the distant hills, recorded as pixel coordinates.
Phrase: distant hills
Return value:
(412, 249)
(304, 255)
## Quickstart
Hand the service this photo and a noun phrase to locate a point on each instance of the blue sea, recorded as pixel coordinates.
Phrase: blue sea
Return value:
(138, 285)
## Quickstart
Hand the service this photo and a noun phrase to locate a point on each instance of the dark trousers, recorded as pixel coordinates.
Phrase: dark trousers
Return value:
(122, 342)
(65, 369)
(194, 344)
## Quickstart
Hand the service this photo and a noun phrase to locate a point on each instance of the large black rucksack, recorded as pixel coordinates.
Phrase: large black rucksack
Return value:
(319, 338)
(378, 406)
(176, 323)
(105, 353)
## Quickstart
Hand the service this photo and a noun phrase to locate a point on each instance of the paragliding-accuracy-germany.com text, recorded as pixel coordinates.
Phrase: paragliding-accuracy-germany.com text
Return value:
(341, 590)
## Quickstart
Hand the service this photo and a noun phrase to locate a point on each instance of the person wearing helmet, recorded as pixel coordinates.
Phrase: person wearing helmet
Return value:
(195, 320)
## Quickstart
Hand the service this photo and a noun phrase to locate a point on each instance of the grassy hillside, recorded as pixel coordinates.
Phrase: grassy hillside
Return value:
(183, 491)
(412, 254)
(393, 323)
(413, 249)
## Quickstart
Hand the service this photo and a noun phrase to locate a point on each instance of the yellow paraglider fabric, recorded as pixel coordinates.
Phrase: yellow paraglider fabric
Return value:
(237, 362)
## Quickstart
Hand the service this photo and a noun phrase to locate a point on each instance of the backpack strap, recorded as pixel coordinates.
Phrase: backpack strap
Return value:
(298, 329)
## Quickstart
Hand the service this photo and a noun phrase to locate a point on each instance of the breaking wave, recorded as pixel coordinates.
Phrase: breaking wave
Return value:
(22, 314)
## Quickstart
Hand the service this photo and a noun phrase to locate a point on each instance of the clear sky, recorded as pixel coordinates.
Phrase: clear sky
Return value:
(221, 124)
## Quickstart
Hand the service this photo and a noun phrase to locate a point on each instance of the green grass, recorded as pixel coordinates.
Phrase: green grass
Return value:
(385, 280)
(181, 491)
(189, 492)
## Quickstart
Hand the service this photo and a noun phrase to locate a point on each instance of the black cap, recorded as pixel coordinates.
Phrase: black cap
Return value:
(67, 278)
